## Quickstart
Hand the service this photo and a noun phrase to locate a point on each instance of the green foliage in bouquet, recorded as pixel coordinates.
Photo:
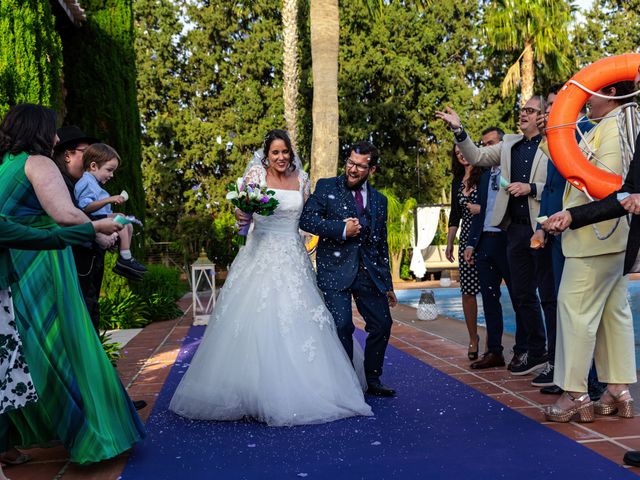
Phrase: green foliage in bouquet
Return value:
(252, 197)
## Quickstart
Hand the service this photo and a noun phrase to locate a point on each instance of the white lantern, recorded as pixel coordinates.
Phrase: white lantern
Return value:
(445, 279)
(427, 309)
(203, 288)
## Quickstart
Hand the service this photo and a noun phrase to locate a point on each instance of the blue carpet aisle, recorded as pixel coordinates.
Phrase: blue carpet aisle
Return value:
(436, 428)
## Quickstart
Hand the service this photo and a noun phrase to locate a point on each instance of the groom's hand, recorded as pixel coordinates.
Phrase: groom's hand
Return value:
(353, 227)
(391, 297)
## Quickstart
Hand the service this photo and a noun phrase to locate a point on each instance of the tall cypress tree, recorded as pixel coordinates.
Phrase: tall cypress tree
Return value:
(30, 55)
(100, 84)
(214, 90)
(160, 65)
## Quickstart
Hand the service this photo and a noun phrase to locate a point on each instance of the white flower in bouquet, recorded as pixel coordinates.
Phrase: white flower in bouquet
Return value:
(254, 194)
(251, 198)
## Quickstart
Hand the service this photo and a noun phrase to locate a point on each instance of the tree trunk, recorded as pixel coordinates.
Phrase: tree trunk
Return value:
(290, 68)
(325, 39)
(528, 73)
(396, 261)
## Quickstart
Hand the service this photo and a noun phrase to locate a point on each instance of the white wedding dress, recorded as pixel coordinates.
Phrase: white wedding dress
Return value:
(271, 351)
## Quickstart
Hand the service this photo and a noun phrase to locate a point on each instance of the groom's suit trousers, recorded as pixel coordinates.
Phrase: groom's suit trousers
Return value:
(374, 308)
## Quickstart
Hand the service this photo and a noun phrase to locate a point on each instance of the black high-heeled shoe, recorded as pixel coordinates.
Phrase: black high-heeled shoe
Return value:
(471, 354)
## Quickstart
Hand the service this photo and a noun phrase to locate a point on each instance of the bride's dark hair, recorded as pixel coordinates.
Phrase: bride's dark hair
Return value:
(269, 138)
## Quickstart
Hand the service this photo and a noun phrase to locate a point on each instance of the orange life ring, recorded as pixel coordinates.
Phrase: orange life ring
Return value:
(561, 127)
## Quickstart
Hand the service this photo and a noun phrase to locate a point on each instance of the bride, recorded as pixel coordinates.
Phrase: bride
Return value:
(271, 351)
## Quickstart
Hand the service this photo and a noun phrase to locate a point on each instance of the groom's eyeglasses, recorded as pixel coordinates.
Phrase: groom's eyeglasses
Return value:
(360, 167)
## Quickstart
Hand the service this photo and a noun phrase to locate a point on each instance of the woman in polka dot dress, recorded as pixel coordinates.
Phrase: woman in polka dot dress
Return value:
(464, 204)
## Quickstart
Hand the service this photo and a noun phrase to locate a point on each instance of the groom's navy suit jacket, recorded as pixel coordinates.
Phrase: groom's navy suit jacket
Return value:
(337, 259)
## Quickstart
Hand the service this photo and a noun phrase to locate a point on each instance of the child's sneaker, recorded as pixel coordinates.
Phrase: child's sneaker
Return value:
(136, 265)
(129, 268)
(128, 273)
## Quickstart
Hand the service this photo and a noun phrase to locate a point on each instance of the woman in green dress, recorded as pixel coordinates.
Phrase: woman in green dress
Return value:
(16, 385)
(82, 402)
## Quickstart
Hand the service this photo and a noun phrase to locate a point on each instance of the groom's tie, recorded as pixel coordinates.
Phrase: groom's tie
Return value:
(359, 202)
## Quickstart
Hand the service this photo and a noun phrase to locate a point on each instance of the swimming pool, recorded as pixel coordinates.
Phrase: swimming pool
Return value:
(449, 303)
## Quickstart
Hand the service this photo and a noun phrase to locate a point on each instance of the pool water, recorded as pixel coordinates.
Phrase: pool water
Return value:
(449, 303)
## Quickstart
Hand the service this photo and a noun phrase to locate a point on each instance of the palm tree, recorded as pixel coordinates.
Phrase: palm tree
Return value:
(399, 229)
(538, 29)
(291, 71)
(325, 41)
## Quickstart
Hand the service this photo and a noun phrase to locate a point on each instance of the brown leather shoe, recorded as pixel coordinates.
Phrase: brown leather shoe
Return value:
(489, 360)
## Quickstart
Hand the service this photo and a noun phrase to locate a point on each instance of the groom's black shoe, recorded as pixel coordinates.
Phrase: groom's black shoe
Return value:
(632, 458)
(379, 390)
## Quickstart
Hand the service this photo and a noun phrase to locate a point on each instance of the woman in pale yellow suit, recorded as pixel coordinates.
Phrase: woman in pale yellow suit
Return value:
(594, 318)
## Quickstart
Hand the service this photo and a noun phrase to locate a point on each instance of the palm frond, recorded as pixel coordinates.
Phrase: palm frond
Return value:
(512, 79)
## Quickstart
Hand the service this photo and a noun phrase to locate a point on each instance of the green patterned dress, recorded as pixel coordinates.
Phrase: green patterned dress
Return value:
(82, 401)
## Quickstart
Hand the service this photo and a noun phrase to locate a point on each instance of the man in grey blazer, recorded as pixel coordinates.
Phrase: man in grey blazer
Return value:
(524, 170)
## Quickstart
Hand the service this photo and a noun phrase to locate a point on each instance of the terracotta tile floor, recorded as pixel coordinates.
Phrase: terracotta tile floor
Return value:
(148, 358)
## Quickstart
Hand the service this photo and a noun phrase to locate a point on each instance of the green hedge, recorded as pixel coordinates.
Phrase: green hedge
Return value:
(30, 55)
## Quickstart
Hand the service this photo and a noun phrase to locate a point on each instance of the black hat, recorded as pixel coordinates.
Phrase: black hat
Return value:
(71, 136)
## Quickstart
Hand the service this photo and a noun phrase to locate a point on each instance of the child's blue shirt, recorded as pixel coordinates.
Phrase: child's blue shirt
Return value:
(88, 190)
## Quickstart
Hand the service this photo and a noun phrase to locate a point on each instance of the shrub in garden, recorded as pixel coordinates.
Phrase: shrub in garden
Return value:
(160, 289)
(125, 304)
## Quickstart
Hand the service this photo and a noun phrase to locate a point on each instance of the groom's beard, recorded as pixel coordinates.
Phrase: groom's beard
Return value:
(356, 186)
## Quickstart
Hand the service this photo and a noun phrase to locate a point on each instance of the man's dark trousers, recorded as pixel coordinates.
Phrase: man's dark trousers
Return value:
(530, 333)
(373, 305)
(491, 261)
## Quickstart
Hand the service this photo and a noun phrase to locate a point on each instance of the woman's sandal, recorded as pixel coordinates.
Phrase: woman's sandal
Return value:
(623, 408)
(583, 412)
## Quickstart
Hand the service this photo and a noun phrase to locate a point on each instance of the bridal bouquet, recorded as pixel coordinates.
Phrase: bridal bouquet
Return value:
(251, 198)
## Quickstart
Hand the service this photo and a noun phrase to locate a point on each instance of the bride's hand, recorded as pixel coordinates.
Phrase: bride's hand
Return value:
(242, 218)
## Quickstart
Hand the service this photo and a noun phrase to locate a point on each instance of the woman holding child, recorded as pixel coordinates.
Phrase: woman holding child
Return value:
(82, 402)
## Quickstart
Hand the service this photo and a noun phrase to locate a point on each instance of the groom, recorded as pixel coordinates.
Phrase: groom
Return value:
(350, 217)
